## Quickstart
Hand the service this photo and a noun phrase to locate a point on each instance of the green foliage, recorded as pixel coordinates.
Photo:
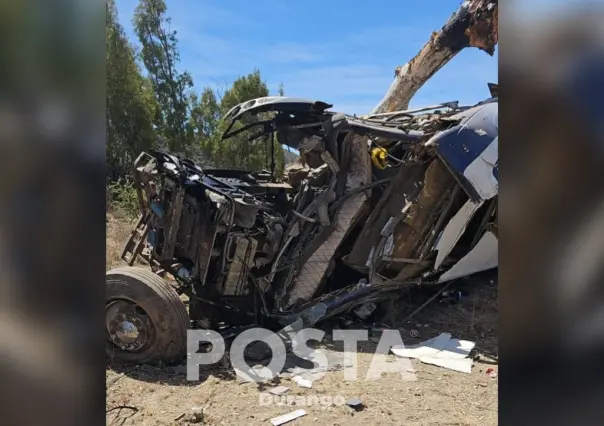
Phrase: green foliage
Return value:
(160, 56)
(130, 104)
(204, 122)
(159, 108)
(121, 197)
(237, 152)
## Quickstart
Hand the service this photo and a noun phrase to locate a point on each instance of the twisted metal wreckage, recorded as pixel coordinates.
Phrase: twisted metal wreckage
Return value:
(375, 204)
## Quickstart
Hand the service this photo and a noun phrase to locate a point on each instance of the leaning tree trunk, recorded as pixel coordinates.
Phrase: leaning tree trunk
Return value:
(474, 24)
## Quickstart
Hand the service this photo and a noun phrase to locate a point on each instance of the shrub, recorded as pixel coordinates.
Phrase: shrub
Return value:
(122, 198)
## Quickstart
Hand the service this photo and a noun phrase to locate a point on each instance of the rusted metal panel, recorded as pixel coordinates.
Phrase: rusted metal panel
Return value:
(243, 259)
(402, 186)
(410, 232)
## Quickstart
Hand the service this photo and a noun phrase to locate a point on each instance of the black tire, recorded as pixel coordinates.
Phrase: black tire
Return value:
(164, 310)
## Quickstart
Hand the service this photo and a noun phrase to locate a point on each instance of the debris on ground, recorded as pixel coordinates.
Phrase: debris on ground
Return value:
(196, 415)
(305, 383)
(491, 373)
(280, 420)
(355, 403)
(335, 362)
(453, 296)
(365, 311)
(279, 390)
(443, 351)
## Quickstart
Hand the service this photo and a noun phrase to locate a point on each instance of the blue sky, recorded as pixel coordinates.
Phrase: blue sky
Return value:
(341, 52)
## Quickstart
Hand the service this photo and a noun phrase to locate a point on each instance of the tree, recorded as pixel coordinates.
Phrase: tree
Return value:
(160, 56)
(474, 24)
(130, 104)
(237, 152)
(204, 123)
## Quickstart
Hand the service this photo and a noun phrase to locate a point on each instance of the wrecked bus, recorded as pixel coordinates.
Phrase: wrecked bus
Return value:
(373, 205)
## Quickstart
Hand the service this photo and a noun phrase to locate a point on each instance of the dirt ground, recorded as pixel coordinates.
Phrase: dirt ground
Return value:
(149, 395)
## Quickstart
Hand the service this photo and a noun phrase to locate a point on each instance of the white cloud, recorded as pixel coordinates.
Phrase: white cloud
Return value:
(292, 53)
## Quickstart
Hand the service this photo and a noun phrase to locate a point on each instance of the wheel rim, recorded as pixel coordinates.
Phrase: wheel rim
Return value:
(128, 326)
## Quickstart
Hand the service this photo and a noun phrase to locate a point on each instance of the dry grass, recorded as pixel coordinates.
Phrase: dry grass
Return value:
(119, 227)
(438, 397)
(158, 395)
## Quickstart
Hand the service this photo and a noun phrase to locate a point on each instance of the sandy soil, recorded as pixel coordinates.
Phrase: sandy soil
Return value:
(148, 395)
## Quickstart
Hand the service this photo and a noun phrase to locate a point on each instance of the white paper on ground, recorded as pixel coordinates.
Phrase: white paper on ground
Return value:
(277, 421)
(427, 348)
(305, 383)
(443, 350)
(279, 390)
(463, 365)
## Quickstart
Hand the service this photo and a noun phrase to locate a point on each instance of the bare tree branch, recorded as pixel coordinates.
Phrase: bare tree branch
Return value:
(474, 24)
